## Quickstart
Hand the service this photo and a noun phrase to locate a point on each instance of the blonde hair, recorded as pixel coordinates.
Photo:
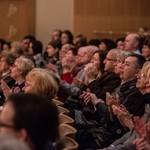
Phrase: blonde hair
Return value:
(17, 47)
(67, 46)
(123, 55)
(43, 83)
(145, 68)
(24, 65)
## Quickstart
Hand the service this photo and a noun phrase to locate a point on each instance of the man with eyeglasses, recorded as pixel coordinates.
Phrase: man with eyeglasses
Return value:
(109, 80)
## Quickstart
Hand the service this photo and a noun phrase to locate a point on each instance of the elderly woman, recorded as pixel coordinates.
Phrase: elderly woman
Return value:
(6, 61)
(43, 82)
(19, 70)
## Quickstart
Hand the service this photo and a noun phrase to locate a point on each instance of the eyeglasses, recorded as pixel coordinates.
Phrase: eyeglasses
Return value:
(109, 59)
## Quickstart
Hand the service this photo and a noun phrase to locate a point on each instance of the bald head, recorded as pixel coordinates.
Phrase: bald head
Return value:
(132, 42)
(88, 53)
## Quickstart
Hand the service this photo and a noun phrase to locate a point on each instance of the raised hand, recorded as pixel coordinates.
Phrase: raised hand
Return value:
(77, 82)
(91, 72)
(5, 88)
(140, 126)
(111, 100)
(52, 67)
(123, 115)
(141, 144)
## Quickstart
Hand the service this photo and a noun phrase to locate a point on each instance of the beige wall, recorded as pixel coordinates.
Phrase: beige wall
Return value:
(52, 14)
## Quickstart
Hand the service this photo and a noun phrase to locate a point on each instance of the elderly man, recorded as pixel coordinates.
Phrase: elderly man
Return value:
(132, 43)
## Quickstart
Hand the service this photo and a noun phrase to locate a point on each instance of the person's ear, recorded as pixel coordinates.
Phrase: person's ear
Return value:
(23, 135)
(137, 72)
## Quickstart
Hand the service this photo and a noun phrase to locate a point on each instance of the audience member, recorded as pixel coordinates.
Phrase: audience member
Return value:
(26, 41)
(146, 48)
(94, 42)
(66, 37)
(56, 34)
(107, 44)
(19, 70)
(132, 43)
(120, 43)
(52, 51)
(2, 42)
(6, 46)
(79, 40)
(6, 61)
(30, 118)
(16, 48)
(42, 82)
(35, 49)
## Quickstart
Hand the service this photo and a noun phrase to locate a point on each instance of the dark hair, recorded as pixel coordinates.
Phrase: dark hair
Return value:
(2, 42)
(110, 44)
(102, 56)
(74, 51)
(38, 115)
(58, 30)
(37, 47)
(140, 60)
(147, 42)
(30, 37)
(120, 39)
(55, 44)
(70, 36)
(94, 42)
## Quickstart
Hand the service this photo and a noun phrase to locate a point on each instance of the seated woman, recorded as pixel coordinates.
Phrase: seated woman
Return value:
(35, 49)
(42, 82)
(146, 48)
(19, 70)
(66, 37)
(107, 44)
(52, 55)
(6, 61)
(53, 51)
(95, 69)
(120, 43)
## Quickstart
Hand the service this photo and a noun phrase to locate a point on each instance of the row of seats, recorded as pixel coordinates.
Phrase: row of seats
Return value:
(66, 130)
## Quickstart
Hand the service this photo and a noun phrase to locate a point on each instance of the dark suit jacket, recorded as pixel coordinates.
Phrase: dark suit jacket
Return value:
(106, 83)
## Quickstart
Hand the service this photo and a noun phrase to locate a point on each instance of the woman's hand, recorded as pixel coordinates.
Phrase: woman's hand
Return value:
(91, 72)
(5, 88)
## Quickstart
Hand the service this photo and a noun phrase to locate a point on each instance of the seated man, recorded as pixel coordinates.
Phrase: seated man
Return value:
(31, 118)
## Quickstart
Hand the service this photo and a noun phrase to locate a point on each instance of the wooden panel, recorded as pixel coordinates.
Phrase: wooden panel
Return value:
(17, 19)
(119, 16)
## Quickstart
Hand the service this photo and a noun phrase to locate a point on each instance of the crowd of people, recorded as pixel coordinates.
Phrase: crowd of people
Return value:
(104, 84)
